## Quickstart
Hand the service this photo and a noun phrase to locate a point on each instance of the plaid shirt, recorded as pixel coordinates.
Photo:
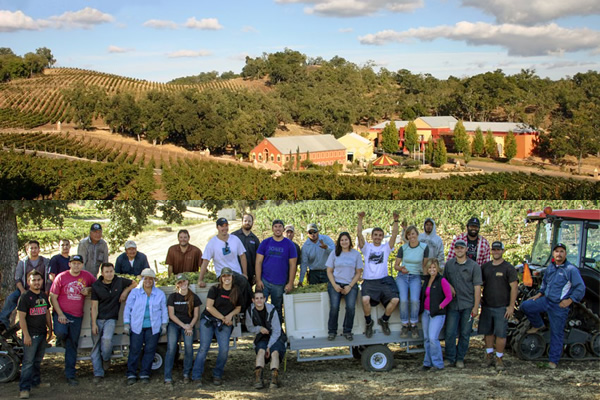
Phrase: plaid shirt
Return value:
(483, 249)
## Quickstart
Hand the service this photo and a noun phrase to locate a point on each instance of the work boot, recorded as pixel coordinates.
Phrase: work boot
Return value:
(369, 329)
(274, 378)
(499, 364)
(534, 330)
(258, 378)
(24, 394)
(414, 329)
(404, 331)
(385, 326)
(489, 359)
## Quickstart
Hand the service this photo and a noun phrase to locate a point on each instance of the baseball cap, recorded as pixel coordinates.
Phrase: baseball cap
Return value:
(473, 221)
(130, 244)
(560, 244)
(96, 227)
(182, 277)
(148, 272)
(312, 227)
(289, 228)
(277, 221)
(460, 242)
(498, 245)
(222, 221)
(226, 271)
(76, 258)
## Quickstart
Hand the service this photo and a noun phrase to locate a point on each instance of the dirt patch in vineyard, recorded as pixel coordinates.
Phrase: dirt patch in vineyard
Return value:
(338, 379)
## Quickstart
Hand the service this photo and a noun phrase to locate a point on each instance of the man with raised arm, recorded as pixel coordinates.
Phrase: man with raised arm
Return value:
(378, 286)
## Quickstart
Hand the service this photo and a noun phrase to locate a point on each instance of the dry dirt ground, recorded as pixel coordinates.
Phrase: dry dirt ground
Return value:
(336, 379)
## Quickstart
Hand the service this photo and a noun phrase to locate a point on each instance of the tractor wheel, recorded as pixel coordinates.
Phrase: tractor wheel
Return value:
(377, 358)
(594, 344)
(9, 367)
(576, 350)
(531, 346)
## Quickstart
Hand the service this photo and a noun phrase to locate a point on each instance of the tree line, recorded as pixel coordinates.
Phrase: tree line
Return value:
(13, 66)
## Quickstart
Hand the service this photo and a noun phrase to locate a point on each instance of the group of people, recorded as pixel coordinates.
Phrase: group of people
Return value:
(441, 292)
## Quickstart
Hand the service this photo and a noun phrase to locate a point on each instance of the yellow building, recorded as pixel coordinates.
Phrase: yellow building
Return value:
(357, 147)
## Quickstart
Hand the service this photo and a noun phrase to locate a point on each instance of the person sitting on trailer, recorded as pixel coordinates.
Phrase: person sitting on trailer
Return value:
(269, 344)
(561, 286)
(378, 286)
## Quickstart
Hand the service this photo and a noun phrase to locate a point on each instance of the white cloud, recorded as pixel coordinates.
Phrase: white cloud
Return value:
(240, 56)
(355, 8)
(160, 24)
(205, 23)
(346, 30)
(189, 53)
(85, 18)
(568, 64)
(519, 40)
(249, 29)
(533, 11)
(117, 49)
(16, 21)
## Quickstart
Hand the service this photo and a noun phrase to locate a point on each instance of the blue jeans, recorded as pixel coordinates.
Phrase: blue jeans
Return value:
(10, 303)
(174, 332)
(68, 332)
(409, 287)
(223, 332)
(432, 326)
(149, 342)
(103, 344)
(557, 317)
(334, 308)
(458, 323)
(32, 359)
(276, 292)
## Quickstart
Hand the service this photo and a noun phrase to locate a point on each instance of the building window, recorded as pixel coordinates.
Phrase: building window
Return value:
(260, 156)
(287, 158)
(278, 158)
(272, 157)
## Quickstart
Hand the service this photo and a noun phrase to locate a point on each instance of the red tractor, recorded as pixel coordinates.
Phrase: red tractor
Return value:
(580, 231)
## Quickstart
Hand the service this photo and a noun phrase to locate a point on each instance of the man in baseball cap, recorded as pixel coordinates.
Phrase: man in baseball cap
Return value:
(315, 251)
(478, 247)
(94, 250)
(132, 261)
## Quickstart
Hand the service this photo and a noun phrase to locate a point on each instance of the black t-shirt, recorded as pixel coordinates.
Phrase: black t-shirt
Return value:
(108, 295)
(180, 306)
(472, 249)
(222, 302)
(35, 306)
(496, 283)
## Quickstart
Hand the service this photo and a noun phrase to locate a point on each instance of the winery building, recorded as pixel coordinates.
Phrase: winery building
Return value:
(321, 149)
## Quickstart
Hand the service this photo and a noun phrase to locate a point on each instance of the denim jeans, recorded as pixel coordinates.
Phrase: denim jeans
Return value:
(409, 287)
(432, 326)
(10, 303)
(68, 332)
(206, 334)
(103, 344)
(557, 317)
(276, 292)
(174, 332)
(32, 359)
(316, 276)
(334, 308)
(458, 323)
(149, 342)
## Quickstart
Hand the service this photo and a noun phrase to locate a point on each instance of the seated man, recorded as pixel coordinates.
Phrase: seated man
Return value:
(263, 320)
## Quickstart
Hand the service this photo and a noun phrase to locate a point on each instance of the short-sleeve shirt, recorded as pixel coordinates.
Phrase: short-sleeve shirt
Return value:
(224, 254)
(463, 277)
(68, 288)
(345, 265)
(180, 306)
(496, 283)
(189, 261)
(222, 301)
(59, 264)
(376, 260)
(108, 296)
(35, 306)
(412, 257)
(276, 266)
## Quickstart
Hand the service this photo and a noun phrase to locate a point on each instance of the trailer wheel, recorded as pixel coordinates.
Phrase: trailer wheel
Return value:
(9, 367)
(357, 351)
(159, 357)
(377, 358)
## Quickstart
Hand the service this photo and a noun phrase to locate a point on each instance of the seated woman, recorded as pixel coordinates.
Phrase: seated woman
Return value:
(222, 304)
(344, 268)
(145, 318)
(183, 306)
(410, 260)
(262, 319)
(436, 294)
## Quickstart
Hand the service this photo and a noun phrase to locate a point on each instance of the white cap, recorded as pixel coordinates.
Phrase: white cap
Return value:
(130, 244)
(148, 272)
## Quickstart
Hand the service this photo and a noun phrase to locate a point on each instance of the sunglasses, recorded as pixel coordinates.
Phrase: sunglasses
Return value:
(312, 232)
(226, 249)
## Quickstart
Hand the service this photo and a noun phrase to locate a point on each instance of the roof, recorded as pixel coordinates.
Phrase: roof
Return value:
(385, 161)
(592, 215)
(356, 136)
(310, 143)
(382, 125)
(516, 127)
(440, 122)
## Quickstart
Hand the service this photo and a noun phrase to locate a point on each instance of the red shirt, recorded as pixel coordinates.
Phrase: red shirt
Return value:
(68, 288)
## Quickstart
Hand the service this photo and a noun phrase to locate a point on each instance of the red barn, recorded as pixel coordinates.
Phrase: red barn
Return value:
(322, 150)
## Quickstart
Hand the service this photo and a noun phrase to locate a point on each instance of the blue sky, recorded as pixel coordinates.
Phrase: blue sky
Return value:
(161, 40)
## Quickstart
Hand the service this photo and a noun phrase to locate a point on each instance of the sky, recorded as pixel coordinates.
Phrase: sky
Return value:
(161, 40)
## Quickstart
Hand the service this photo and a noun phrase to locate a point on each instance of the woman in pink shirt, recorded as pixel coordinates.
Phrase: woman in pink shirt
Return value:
(436, 294)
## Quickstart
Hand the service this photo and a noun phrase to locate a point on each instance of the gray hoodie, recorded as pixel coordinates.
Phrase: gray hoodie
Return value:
(436, 246)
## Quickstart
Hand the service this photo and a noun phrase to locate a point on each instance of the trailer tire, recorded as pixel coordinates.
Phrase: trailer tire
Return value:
(159, 357)
(377, 358)
(9, 367)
